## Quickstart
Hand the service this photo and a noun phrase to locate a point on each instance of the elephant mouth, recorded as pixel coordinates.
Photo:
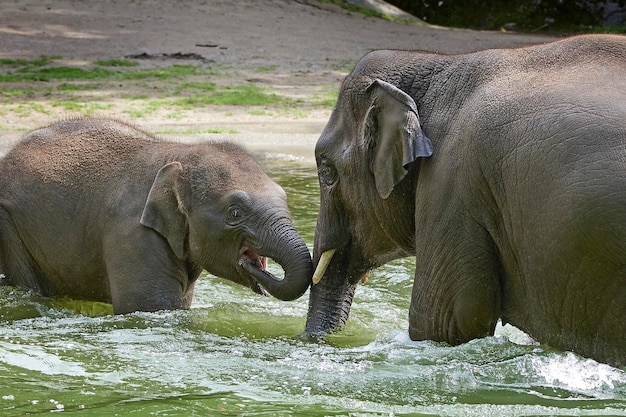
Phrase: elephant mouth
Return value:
(255, 265)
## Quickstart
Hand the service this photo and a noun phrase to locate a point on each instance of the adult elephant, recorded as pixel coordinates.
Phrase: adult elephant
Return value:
(520, 212)
(95, 209)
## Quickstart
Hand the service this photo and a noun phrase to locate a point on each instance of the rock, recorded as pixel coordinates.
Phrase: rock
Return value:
(383, 7)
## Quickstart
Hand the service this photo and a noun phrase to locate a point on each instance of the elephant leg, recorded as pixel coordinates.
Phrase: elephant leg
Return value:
(143, 274)
(16, 264)
(188, 297)
(142, 288)
(456, 293)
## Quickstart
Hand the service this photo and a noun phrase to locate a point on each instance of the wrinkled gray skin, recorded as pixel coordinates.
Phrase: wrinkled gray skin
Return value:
(520, 212)
(95, 209)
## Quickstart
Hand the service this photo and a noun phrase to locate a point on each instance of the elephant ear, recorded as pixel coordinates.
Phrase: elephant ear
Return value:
(164, 210)
(393, 135)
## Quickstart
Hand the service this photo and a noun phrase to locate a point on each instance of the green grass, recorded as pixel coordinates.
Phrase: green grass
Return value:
(238, 95)
(293, 112)
(603, 29)
(256, 112)
(175, 71)
(37, 62)
(86, 108)
(44, 85)
(193, 131)
(204, 86)
(266, 69)
(27, 108)
(78, 87)
(326, 98)
(55, 73)
(116, 63)
(26, 71)
(18, 92)
(242, 95)
(148, 107)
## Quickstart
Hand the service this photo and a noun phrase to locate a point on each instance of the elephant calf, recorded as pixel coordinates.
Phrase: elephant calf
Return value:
(95, 209)
(502, 171)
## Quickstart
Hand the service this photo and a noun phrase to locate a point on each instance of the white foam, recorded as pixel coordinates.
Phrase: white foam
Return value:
(34, 358)
(578, 374)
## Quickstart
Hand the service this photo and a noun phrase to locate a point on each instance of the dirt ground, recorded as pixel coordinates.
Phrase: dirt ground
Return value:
(293, 46)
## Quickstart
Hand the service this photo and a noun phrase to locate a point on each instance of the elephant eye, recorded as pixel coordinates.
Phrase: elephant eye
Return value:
(327, 173)
(235, 215)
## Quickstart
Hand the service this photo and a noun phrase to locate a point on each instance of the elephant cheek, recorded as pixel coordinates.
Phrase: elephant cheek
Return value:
(215, 255)
(332, 230)
(200, 250)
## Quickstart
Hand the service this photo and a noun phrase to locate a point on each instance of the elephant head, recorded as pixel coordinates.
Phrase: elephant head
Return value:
(219, 211)
(366, 158)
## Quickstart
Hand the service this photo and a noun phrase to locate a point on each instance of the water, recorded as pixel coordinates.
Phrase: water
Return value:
(236, 353)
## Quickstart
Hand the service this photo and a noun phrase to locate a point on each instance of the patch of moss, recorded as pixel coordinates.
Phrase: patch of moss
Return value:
(116, 63)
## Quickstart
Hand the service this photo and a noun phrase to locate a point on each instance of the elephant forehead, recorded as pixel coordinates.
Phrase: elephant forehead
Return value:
(223, 167)
(345, 123)
(255, 185)
(339, 133)
(231, 175)
(247, 174)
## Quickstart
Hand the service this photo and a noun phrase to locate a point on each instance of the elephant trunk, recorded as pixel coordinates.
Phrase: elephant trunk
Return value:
(328, 309)
(329, 302)
(285, 247)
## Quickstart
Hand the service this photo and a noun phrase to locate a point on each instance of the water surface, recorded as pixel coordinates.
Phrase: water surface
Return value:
(237, 353)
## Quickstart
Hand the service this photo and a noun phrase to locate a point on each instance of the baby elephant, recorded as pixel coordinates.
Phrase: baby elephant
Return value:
(95, 209)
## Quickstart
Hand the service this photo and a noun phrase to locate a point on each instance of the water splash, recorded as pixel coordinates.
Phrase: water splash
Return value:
(236, 353)
(579, 375)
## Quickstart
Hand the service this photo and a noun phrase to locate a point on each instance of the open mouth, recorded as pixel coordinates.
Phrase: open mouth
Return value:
(249, 255)
(255, 265)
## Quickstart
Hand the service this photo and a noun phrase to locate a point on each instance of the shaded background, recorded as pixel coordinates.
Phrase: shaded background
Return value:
(523, 15)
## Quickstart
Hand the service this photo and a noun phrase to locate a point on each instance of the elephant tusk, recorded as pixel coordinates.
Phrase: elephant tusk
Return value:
(322, 265)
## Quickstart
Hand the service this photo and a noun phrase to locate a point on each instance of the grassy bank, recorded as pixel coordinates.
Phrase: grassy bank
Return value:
(136, 89)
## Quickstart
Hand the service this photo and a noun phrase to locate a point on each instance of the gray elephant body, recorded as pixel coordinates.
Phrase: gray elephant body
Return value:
(520, 212)
(95, 209)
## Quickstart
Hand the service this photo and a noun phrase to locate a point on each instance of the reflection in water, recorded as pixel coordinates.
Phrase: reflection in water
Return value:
(238, 353)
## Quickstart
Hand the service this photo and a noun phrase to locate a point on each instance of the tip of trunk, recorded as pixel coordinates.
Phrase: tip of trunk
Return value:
(297, 278)
(305, 336)
(329, 308)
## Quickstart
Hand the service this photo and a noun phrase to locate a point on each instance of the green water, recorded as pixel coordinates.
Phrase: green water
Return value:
(236, 353)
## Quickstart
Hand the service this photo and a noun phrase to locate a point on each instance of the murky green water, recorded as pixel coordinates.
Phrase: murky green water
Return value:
(237, 353)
